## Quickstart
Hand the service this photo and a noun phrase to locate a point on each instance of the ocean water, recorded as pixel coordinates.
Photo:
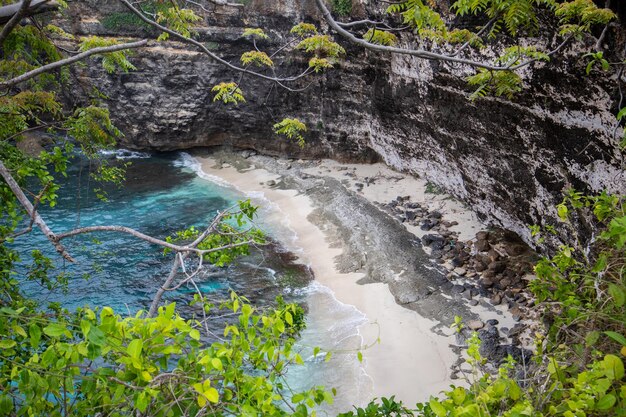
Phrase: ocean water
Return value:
(168, 192)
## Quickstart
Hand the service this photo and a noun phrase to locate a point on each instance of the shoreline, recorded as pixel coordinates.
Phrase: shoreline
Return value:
(410, 354)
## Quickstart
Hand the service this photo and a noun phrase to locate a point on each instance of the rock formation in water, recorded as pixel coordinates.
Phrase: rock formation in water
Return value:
(509, 160)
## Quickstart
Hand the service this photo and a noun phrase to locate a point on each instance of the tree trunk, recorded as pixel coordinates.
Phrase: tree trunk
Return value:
(36, 7)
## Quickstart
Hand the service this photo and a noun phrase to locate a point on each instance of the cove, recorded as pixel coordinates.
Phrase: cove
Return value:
(167, 192)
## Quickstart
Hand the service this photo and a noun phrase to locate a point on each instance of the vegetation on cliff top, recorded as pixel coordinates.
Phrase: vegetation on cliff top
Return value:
(88, 362)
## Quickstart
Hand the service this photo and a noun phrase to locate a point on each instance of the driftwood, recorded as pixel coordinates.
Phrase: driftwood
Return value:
(35, 7)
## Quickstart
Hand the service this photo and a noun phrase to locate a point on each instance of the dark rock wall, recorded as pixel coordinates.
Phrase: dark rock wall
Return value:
(509, 160)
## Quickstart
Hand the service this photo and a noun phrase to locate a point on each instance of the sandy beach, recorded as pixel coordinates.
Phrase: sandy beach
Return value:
(406, 357)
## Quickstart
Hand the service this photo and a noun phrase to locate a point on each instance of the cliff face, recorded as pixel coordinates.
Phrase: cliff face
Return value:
(509, 160)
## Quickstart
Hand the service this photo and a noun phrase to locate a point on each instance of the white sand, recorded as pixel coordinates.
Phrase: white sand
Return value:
(410, 362)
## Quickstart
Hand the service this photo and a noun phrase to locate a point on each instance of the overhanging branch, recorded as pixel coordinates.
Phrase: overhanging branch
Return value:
(67, 61)
(34, 7)
(35, 217)
(210, 54)
(421, 53)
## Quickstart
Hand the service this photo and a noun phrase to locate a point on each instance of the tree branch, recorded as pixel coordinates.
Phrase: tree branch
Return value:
(14, 21)
(67, 61)
(207, 52)
(123, 229)
(34, 7)
(420, 53)
(36, 218)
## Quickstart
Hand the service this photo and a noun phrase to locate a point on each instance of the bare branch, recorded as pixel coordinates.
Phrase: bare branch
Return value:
(123, 229)
(420, 53)
(14, 21)
(168, 281)
(32, 7)
(36, 218)
(207, 52)
(67, 61)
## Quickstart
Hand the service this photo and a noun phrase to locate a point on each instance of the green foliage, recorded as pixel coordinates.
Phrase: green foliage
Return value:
(321, 46)
(228, 93)
(304, 29)
(92, 128)
(231, 239)
(97, 360)
(342, 7)
(111, 61)
(260, 59)
(579, 16)
(292, 129)
(255, 33)
(505, 82)
(380, 37)
(515, 15)
(598, 390)
(419, 15)
(123, 20)
(177, 19)
(24, 49)
(498, 83)
(55, 30)
(595, 59)
(586, 289)
(515, 54)
(325, 50)
(319, 64)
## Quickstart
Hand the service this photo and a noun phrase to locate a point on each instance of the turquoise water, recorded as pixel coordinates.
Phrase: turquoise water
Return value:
(167, 192)
(162, 194)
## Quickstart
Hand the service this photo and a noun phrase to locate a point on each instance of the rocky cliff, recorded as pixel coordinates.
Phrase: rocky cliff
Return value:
(509, 160)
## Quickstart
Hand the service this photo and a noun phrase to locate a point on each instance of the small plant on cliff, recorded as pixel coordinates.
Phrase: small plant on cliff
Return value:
(304, 29)
(380, 37)
(228, 93)
(260, 59)
(292, 129)
(342, 7)
(255, 33)
(123, 20)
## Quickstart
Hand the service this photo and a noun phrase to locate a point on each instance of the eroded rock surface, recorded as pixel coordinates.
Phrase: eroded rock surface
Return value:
(510, 160)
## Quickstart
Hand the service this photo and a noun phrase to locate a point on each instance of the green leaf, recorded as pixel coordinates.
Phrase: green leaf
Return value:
(562, 211)
(6, 405)
(134, 348)
(458, 395)
(614, 367)
(617, 337)
(437, 408)
(359, 356)
(606, 402)
(617, 294)
(96, 337)
(217, 364)
(592, 338)
(142, 401)
(19, 330)
(7, 344)
(212, 395)
(35, 335)
(56, 330)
